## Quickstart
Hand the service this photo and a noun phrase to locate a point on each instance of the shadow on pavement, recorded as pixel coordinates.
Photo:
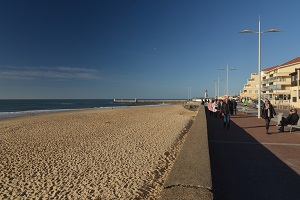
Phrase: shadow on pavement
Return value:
(242, 168)
(246, 116)
(259, 126)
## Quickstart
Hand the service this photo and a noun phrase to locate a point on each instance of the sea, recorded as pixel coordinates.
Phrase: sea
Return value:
(22, 107)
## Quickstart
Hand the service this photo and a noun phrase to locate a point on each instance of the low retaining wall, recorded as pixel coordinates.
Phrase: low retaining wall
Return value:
(190, 176)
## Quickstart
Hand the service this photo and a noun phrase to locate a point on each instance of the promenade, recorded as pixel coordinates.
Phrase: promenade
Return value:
(246, 163)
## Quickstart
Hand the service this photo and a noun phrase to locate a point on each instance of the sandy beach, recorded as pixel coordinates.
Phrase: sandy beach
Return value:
(123, 153)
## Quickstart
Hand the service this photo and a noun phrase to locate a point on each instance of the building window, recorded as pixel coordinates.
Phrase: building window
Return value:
(294, 80)
(256, 91)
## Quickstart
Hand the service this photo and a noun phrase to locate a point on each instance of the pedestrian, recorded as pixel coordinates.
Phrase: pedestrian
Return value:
(245, 102)
(268, 112)
(214, 108)
(220, 107)
(234, 105)
(292, 118)
(230, 106)
(209, 106)
(226, 113)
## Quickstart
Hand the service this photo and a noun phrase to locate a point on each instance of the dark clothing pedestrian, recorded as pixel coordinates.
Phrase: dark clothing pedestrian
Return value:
(268, 112)
(220, 108)
(292, 118)
(230, 107)
(234, 105)
(226, 113)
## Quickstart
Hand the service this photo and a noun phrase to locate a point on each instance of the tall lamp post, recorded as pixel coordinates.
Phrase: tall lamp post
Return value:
(259, 61)
(219, 86)
(227, 69)
(189, 93)
(215, 84)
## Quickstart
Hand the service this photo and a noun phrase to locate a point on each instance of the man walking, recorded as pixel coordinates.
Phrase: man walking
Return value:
(226, 113)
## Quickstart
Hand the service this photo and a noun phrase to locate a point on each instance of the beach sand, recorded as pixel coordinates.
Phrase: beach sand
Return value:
(121, 153)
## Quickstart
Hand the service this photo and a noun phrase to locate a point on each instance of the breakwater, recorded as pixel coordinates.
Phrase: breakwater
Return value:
(158, 101)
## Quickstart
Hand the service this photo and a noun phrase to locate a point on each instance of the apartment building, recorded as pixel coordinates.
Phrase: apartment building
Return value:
(295, 82)
(250, 90)
(280, 84)
(276, 81)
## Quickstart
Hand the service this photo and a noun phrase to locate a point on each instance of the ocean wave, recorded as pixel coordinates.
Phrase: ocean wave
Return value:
(29, 113)
(35, 112)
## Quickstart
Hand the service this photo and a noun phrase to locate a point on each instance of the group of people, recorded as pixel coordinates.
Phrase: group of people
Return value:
(268, 112)
(222, 109)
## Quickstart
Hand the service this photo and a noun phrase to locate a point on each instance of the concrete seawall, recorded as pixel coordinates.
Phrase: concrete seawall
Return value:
(190, 176)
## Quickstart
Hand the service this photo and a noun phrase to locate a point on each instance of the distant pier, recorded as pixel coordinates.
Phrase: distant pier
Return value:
(158, 101)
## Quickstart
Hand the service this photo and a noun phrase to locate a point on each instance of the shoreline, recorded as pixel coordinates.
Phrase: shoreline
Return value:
(96, 153)
(17, 114)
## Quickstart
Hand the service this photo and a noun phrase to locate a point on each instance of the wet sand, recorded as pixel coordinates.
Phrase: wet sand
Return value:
(122, 153)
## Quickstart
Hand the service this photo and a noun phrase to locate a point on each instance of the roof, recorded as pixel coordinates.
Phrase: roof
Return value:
(270, 68)
(295, 60)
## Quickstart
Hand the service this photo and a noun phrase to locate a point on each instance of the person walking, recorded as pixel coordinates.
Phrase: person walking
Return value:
(245, 102)
(292, 118)
(220, 108)
(268, 112)
(210, 109)
(234, 105)
(230, 106)
(214, 108)
(226, 113)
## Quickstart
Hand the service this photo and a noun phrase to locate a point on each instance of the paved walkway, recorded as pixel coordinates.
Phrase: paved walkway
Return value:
(246, 163)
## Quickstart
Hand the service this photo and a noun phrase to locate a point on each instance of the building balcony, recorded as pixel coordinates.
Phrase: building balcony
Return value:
(264, 89)
(281, 91)
(276, 81)
(282, 74)
(282, 83)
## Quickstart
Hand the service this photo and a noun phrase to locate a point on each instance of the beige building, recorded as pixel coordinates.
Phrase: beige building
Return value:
(276, 81)
(295, 88)
(250, 90)
(280, 84)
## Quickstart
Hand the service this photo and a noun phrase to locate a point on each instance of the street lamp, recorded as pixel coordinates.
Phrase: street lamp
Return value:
(259, 61)
(227, 69)
(215, 84)
(219, 86)
(189, 93)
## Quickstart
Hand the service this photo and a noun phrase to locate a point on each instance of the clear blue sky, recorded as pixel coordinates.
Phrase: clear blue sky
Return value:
(138, 48)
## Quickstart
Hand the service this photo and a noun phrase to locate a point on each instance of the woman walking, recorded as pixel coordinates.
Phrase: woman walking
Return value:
(215, 108)
(210, 109)
(268, 113)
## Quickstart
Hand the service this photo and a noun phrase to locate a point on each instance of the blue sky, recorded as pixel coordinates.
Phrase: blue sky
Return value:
(138, 48)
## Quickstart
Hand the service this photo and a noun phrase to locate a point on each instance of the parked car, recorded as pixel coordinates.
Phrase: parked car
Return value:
(255, 103)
